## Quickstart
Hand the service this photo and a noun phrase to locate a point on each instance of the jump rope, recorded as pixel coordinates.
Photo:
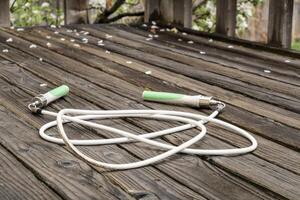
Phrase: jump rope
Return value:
(191, 121)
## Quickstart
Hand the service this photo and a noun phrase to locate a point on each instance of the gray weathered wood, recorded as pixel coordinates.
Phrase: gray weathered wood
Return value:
(76, 11)
(13, 172)
(91, 56)
(151, 10)
(4, 13)
(280, 23)
(183, 13)
(169, 11)
(226, 17)
(185, 173)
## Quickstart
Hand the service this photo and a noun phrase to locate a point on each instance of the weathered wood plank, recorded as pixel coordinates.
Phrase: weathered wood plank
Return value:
(143, 179)
(262, 108)
(189, 54)
(166, 11)
(226, 17)
(241, 58)
(137, 66)
(256, 61)
(267, 128)
(180, 168)
(70, 177)
(16, 181)
(183, 172)
(4, 14)
(152, 10)
(280, 23)
(183, 13)
(169, 11)
(76, 11)
(219, 76)
(98, 98)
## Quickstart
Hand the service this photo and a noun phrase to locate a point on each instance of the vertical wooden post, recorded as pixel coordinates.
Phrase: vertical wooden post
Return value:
(76, 11)
(183, 13)
(152, 10)
(226, 17)
(167, 11)
(4, 13)
(280, 23)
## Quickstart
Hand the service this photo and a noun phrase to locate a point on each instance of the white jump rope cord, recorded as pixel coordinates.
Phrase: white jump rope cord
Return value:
(191, 120)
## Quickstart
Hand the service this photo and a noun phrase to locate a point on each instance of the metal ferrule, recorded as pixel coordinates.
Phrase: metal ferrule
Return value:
(204, 101)
(37, 104)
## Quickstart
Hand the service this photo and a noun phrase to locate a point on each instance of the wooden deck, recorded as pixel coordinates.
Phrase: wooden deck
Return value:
(266, 103)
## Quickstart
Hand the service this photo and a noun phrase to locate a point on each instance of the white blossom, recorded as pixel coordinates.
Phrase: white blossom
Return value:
(45, 4)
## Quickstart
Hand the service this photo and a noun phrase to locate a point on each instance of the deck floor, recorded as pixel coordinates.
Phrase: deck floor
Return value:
(261, 89)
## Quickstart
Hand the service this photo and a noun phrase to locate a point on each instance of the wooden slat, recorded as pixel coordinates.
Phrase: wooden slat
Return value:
(70, 177)
(266, 130)
(130, 180)
(4, 13)
(76, 11)
(119, 59)
(152, 11)
(191, 175)
(242, 58)
(222, 57)
(280, 23)
(261, 109)
(167, 11)
(270, 54)
(135, 94)
(147, 80)
(226, 17)
(183, 13)
(101, 98)
(252, 84)
(16, 181)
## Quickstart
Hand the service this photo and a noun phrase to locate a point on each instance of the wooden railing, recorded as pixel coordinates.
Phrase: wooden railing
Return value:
(179, 12)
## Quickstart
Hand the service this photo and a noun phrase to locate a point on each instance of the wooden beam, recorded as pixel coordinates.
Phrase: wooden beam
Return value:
(226, 17)
(152, 10)
(76, 11)
(280, 23)
(167, 11)
(4, 13)
(183, 13)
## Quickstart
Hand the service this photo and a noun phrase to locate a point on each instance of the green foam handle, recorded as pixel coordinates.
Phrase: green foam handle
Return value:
(161, 96)
(60, 91)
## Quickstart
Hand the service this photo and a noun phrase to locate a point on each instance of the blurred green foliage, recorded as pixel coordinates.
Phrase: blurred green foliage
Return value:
(205, 15)
(296, 45)
(33, 12)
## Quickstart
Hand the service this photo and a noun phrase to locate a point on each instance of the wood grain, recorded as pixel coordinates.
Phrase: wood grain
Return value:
(89, 69)
(280, 23)
(70, 177)
(16, 181)
(226, 17)
(4, 14)
(187, 83)
(227, 78)
(100, 98)
(130, 180)
(180, 175)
